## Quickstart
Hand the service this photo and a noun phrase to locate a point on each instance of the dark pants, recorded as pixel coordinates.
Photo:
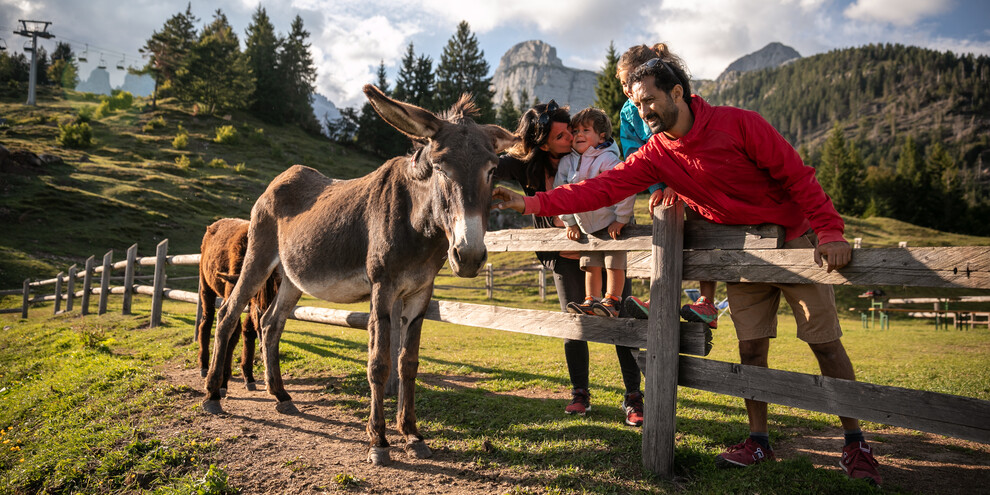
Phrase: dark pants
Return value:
(569, 280)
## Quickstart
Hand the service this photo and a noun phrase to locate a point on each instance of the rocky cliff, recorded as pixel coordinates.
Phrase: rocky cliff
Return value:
(773, 55)
(533, 65)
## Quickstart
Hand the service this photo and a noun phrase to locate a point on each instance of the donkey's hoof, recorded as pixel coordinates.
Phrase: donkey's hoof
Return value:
(418, 450)
(252, 386)
(212, 406)
(378, 456)
(286, 407)
(203, 372)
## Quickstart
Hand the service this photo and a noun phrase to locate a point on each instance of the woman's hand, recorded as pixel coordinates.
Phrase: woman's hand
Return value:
(509, 199)
(573, 232)
(615, 229)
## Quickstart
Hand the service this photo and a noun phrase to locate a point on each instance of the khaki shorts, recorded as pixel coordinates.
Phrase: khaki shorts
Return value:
(613, 260)
(753, 306)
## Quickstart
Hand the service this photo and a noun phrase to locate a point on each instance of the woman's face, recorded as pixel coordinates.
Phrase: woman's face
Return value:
(559, 142)
(623, 76)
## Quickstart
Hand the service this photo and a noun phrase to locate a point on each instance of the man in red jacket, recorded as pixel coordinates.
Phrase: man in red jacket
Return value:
(732, 167)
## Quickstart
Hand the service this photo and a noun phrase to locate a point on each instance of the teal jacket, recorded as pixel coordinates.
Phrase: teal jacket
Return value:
(633, 133)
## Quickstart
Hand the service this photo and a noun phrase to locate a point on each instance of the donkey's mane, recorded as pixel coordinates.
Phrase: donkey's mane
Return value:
(464, 107)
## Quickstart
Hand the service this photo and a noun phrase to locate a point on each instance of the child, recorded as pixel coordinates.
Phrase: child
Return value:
(594, 151)
(634, 133)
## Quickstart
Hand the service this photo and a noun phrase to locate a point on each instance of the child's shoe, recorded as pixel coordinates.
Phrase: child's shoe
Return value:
(702, 311)
(636, 308)
(607, 307)
(582, 308)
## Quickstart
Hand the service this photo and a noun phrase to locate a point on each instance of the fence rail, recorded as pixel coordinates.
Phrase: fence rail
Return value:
(679, 250)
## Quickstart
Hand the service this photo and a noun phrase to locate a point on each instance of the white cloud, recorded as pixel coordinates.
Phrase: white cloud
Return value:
(897, 12)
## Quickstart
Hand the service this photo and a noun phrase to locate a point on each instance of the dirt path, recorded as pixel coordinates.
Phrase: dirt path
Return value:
(267, 452)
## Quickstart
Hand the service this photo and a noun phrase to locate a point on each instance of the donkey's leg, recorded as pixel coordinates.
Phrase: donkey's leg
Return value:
(259, 261)
(208, 300)
(272, 324)
(250, 331)
(379, 362)
(228, 360)
(412, 319)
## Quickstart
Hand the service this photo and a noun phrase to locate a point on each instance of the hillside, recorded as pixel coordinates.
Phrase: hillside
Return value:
(128, 187)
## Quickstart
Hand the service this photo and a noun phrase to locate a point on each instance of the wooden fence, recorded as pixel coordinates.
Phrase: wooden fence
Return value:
(678, 250)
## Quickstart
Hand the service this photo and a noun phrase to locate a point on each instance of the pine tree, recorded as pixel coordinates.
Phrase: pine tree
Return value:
(64, 70)
(508, 114)
(214, 71)
(299, 77)
(608, 92)
(840, 172)
(463, 69)
(404, 80)
(424, 84)
(167, 49)
(261, 49)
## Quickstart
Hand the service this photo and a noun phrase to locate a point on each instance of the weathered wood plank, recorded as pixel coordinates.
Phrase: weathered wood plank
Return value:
(662, 342)
(129, 268)
(943, 414)
(161, 255)
(961, 267)
(931, 300)
(697, 235)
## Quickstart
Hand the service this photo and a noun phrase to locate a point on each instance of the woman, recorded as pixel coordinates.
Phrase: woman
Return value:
(532, 163)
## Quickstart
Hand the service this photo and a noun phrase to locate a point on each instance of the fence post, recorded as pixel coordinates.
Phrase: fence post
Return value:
(489, 282)
(105, 281)
(87, 285)
(70, 288)
(58, 293)
(543, 283)
(663, 341)
(158, 294)
(129, 279)
(199, 311)
(27, 298)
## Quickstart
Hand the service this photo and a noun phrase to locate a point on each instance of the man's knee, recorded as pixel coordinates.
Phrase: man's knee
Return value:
(829, 351)
(754, 352)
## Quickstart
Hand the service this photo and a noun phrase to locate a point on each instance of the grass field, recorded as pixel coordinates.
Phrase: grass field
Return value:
(81, 398)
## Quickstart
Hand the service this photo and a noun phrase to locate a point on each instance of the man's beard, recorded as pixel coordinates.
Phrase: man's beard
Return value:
(662, 123)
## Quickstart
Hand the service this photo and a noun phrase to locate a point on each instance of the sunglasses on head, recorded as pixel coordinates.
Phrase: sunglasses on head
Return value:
(651, 63)
(543, 120)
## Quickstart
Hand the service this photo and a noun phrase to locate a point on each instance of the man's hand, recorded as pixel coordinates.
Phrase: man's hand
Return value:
(837, 254)
(509, 199)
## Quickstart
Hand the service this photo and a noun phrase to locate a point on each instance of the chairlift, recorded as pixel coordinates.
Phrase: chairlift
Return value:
(102, 64)
(27, 47)
(84, 54)
(122, 63)
(3, 45)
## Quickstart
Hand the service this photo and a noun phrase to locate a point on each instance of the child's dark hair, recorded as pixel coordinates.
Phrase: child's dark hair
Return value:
(597, 117)
(668, 70)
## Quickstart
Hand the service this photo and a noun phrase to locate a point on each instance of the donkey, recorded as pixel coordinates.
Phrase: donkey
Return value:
(221, 256)
(382, 237)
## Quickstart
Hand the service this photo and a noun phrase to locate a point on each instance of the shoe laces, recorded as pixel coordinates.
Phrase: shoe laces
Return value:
(634, 401)
(859, 455)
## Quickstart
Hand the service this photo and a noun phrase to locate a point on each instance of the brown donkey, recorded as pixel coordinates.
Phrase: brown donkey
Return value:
(382, 237)
(221, 256)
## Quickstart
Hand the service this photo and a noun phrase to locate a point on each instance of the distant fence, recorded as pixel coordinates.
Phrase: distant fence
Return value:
(678, 250)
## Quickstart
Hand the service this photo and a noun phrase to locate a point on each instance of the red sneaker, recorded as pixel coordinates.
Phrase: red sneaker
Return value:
(744, 454)
(702, 311)
(583, 308)
(858, 463)
(636, 308)
(580, 402)
(632, 405)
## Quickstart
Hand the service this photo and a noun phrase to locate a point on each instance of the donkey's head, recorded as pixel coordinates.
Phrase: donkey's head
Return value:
(457, 158)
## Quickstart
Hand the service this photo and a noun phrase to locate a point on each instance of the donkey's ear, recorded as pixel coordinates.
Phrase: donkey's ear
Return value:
(411, 120)
(501, 138)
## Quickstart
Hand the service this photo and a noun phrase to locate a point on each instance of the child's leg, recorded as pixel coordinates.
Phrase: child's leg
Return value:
(616, 280)
(708, 289)
(593, 282)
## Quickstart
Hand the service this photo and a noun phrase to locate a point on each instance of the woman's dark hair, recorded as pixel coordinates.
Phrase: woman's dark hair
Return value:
(667, 69)
(534, 128)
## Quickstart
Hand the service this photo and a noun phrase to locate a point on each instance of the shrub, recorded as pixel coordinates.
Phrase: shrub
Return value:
(197, 162)
(240, 168)
(218, 163)
(155, 123)
(226, 134)
(103, 110)
(75, 135)
(85, 113)
(182, 161)
(121, 100)
(181, 141)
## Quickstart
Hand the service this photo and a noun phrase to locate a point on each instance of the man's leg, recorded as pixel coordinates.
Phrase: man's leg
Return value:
(754, 353)
(834, 362)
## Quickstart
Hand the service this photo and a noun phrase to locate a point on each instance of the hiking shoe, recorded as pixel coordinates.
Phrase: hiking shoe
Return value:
(607, 307)
(744, 454)
(580, 402)
(632, 405)
(858, 463)
(582, 308)
(636, 308)
(702, 311)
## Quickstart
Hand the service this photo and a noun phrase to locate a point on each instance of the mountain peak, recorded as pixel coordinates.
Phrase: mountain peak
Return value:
(532, 52)
(773, 55)
(533, 66)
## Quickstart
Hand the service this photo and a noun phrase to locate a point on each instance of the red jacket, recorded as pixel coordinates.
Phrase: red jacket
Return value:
(732, 167)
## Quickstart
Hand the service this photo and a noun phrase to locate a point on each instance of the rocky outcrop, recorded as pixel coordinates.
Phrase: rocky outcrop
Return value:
(533, 65)
(138, 84)
(97, 83)
(773, 55)
(323, 109)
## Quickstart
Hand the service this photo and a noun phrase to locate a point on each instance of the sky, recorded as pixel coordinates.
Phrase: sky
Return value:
(350, 37)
